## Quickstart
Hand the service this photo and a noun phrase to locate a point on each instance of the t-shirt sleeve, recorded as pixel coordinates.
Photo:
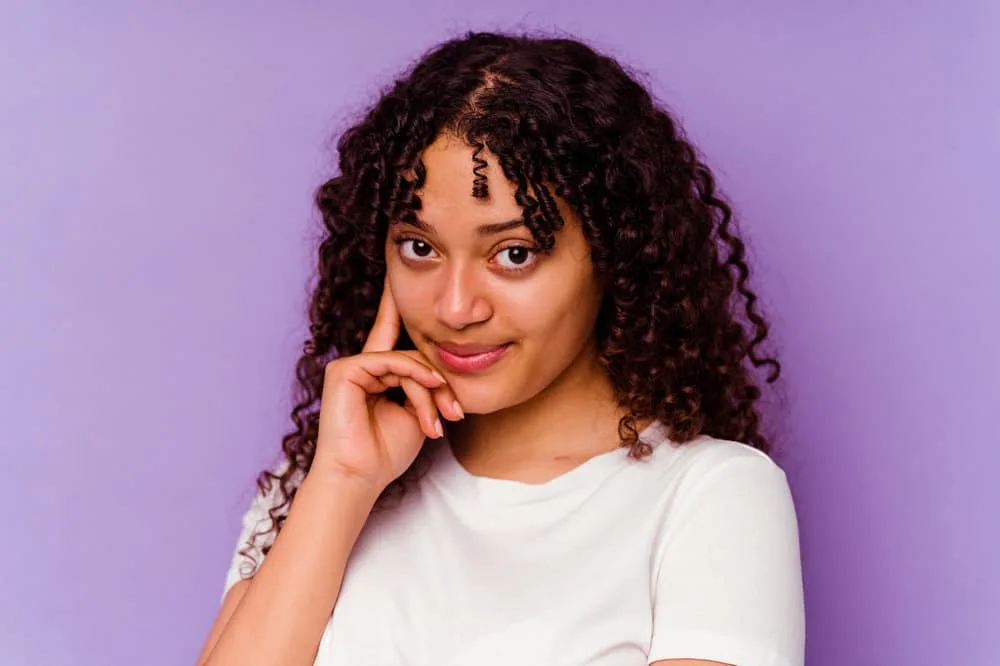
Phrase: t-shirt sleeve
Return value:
(727, 576)
(256, 519)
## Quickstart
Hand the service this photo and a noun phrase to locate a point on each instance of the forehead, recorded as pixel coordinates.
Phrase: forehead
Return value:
(446, 196)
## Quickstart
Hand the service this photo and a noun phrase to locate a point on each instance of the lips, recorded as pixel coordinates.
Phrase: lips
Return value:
(467, 350)
(469, 357)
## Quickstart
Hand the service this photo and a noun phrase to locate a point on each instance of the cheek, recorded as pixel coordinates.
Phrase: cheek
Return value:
(560, 304)
(408, 295)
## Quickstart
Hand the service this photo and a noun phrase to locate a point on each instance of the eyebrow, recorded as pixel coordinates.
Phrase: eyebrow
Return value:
(482, 229)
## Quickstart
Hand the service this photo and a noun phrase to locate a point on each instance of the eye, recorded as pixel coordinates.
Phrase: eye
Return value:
(414, 249)
(518, 257)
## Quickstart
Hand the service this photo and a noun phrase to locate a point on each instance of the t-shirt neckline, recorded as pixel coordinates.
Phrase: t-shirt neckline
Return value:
(454, 478)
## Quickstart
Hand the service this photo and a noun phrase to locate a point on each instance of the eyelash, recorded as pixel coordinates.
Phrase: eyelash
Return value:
(399, 240)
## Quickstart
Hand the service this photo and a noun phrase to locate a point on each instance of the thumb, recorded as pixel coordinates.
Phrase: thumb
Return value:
(385, 330)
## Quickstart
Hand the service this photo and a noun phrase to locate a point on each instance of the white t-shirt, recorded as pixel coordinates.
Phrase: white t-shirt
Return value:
(691, 553)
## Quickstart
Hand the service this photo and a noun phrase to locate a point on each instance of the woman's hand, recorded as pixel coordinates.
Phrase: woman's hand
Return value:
(362, 433)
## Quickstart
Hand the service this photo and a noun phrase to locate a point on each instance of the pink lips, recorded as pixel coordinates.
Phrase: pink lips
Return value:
(469, 358)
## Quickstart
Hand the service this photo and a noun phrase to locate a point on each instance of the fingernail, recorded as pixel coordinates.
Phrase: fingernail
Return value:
(439, 376)
(458, 408)
(438, 428)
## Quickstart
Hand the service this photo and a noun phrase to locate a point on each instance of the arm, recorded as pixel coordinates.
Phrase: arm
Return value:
(278, 616)
(367, 441)
(229, 605)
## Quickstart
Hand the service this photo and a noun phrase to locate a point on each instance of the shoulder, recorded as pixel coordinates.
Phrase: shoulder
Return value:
(721, 494)
(718, 482)
(707, 460)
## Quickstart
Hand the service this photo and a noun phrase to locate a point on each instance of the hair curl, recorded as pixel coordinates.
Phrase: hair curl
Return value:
(679, 329)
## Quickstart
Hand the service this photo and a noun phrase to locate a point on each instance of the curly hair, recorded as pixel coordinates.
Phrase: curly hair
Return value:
(679, 330)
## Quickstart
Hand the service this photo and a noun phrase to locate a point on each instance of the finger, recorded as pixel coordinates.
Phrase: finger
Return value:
(447, 403)
(369, 370)
(385, 330)
(444, 397)
(426, 411)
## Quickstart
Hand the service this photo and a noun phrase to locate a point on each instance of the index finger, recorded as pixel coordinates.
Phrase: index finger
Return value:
(385, 330)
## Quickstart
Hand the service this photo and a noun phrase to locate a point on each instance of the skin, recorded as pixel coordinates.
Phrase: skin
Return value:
(547, 405)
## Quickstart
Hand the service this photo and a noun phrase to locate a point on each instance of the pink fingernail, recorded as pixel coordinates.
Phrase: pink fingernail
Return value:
(438, 428)
(458, 408)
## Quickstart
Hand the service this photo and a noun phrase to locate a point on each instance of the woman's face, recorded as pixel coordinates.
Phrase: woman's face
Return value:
(501, 321)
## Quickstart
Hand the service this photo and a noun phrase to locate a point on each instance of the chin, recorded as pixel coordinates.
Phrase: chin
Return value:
(473, 403)
(478, 395)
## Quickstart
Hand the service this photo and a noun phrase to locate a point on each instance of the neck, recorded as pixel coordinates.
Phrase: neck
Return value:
(574, 418)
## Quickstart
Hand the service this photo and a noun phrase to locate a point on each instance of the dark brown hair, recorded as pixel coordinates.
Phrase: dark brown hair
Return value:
(679, 329)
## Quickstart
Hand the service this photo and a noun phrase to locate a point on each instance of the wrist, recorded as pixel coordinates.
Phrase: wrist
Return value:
(332, 477)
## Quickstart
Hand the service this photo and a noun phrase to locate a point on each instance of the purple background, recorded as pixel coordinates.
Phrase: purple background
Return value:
(155, 182)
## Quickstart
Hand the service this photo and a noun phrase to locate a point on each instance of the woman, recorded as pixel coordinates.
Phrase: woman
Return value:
(527, 430)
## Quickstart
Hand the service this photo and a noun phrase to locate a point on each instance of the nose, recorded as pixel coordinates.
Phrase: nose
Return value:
(461, 301)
